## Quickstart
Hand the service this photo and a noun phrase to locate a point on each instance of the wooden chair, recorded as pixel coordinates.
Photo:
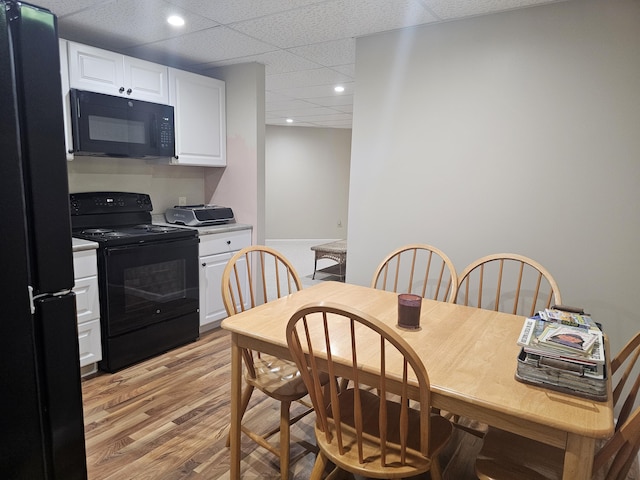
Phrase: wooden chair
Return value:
(419, 269)
(253, 276)
(627, 357)
(506, 455)
(365, 431)
(507, 282)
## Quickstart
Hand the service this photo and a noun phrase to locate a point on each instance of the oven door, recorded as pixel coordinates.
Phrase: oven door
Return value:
(149, 283)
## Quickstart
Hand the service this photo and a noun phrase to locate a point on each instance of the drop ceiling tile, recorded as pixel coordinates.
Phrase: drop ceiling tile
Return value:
(133, 22)
(226, 12)
(329, 54)
(349, 70)
(311, 117)
(303, 113)
(446, 9)
(305, 78)
(279, 61)
(348, 108)
(316, 91)
(205, 46)
(347, 123)
(333, 20)
(64, 7)
(287, 105)
(336, 101)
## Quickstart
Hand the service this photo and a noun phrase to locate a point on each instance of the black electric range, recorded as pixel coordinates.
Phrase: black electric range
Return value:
(148, 276)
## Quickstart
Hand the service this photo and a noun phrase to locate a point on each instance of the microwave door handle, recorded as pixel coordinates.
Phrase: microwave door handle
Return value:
(152, 134)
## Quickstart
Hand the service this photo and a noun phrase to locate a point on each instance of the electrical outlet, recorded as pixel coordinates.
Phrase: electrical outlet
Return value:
(182, 201)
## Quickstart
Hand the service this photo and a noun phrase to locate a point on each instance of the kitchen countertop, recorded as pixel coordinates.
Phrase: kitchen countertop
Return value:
(204, 230)
(80, 244)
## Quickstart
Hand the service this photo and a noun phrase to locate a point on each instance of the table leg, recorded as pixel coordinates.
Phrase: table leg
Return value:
(578, 457)
(236, 393)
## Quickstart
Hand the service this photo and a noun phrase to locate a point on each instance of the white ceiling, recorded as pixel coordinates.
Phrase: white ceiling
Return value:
(307, 46)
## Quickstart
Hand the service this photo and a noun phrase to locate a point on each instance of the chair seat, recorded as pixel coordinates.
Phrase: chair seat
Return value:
(416, 463)
(525, 459)
(278, 378)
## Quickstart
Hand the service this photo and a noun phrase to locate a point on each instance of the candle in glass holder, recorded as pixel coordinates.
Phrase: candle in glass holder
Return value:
(409, 310)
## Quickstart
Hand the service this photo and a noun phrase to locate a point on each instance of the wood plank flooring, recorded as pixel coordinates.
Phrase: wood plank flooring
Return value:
(168, 418)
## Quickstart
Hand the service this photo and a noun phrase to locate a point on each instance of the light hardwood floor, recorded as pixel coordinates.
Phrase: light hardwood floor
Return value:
(167, 418)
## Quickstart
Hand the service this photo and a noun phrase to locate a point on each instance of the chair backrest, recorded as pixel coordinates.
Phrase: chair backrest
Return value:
(507, 282)
(255, 275)
(348, 424)
(619, 452)
(627, 358)
(420, 269)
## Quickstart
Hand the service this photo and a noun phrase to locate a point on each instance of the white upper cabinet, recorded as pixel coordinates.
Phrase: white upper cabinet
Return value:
(200, 119)
(102, 71)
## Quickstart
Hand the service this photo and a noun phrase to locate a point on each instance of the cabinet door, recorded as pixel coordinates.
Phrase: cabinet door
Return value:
(89, 342)
(145, 80)
(200, 119)
(95, 70)
(66, 108)
(212, 309)
(102, 71)
(87, 304)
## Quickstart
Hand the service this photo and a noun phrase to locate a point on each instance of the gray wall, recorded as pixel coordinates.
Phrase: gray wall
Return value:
(516, 132)
(307, 182)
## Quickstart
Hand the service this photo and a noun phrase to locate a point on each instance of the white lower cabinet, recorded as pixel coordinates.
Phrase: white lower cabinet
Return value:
(215, 251)
(88, 307)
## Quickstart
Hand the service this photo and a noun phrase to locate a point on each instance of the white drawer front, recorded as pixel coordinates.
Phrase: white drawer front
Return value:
(89, 342)
(87, 300)
(84, 263)
(224, 242)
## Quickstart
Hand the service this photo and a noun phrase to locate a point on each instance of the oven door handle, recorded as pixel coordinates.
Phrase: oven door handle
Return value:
(180, 242)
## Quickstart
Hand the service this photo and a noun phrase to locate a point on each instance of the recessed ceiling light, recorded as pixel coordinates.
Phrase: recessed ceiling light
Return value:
(289, 120)
(175, 20)
(338, 89)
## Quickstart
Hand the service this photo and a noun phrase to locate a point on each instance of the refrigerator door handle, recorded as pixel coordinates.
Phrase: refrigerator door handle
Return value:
(32, 298)
(31, 304)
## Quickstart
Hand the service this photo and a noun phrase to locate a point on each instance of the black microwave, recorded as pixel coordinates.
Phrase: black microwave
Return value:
(106, 125)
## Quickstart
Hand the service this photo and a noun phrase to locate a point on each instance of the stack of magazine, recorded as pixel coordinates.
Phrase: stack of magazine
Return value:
(563, 350)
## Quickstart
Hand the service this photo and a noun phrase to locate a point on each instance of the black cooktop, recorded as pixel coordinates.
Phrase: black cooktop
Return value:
(119, 218)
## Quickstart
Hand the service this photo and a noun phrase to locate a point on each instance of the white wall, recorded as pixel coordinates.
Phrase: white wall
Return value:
(240, 184)
(165, 183)
(307, 182)
(516, 132)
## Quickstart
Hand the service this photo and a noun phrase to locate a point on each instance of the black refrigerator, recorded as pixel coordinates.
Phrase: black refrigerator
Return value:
(41, 420)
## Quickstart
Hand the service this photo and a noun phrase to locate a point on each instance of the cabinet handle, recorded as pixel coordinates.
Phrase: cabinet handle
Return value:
(129, 91)
(204, 264)
(121, 90)
(228, 242)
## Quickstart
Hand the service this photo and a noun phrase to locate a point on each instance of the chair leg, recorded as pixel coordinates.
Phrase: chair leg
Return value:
(344, 383)
(246, 396)
(318, 467)
(436, 470)
(284, 440)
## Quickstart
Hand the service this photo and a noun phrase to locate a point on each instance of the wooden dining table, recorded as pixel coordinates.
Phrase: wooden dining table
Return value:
(470, 355)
